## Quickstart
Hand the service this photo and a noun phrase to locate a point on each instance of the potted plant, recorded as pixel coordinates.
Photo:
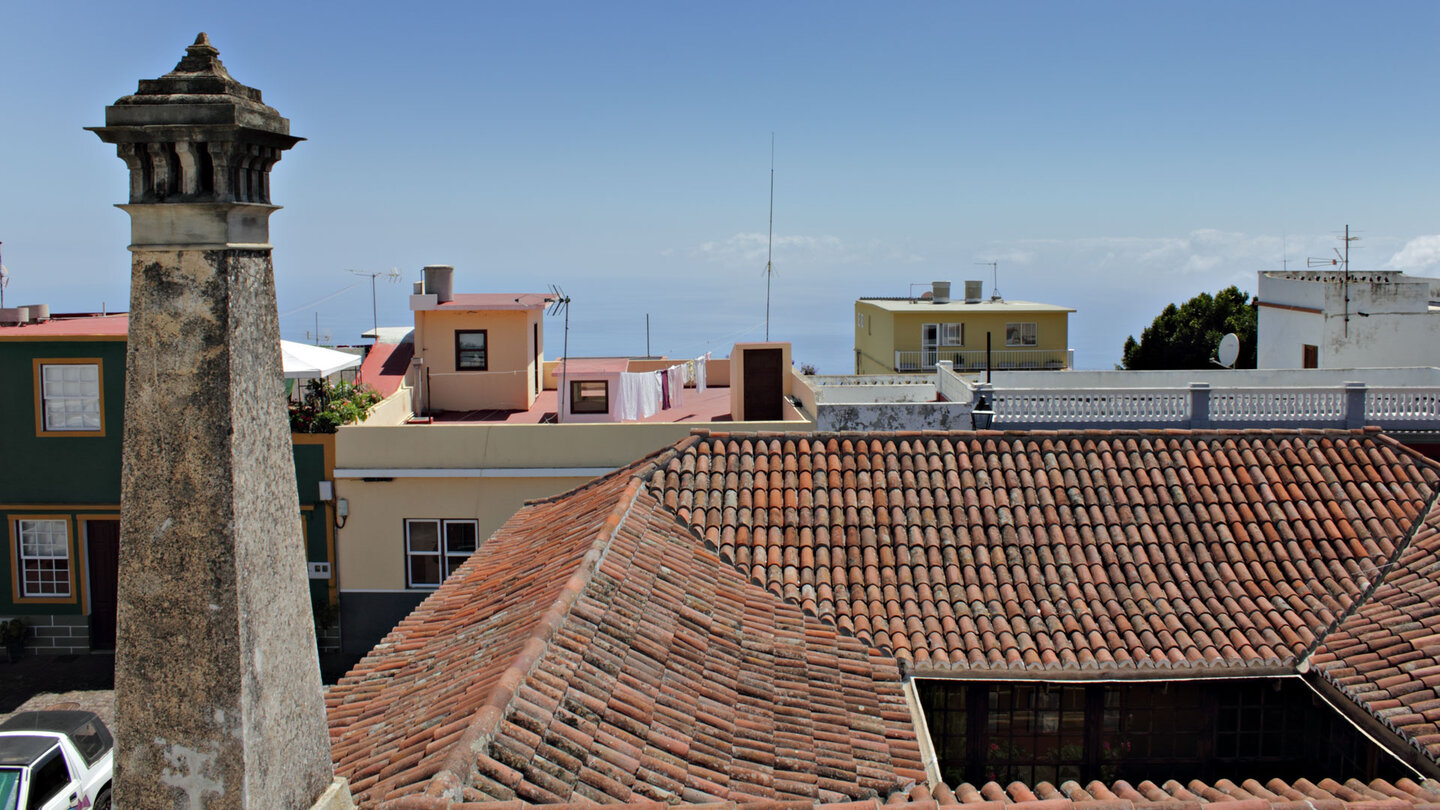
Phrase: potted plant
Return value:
(12, 634)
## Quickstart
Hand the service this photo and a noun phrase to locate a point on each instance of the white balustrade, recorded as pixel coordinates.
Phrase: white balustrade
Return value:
(1277, 405)
(1061, 406)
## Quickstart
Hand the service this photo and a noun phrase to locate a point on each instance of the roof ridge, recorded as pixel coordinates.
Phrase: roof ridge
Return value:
(1407, 449)
(1302, 665)
(639, 468)
(460, 763)
(1062, 433)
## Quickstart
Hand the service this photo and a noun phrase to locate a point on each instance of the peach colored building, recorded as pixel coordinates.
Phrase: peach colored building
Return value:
(476, 421)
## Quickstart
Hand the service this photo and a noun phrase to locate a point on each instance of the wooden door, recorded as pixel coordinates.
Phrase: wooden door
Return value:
(103, 553)
(764, 384)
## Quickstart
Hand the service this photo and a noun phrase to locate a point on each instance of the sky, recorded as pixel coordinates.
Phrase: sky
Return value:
(1109, 156)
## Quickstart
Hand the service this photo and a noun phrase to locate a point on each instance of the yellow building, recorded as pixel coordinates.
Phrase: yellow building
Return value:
(897, 335)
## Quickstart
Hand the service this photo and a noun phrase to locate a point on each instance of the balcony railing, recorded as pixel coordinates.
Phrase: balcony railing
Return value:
(969, 360)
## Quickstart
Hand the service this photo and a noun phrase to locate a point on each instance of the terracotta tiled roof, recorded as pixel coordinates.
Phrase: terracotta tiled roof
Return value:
(726, 623)
(1076, 553)
(657, 673)
(451, 667)
(1386, 655)
(1326, 794)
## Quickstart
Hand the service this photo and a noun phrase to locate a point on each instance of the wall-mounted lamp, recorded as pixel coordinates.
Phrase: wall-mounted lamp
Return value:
(981, 415)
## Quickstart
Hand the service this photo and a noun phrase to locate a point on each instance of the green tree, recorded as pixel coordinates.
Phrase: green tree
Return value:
(1188, 335)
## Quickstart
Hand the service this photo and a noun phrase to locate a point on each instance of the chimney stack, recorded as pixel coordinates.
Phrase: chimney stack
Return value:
(217, 685)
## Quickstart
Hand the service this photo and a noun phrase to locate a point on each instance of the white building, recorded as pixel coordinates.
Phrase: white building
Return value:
(1331, 319)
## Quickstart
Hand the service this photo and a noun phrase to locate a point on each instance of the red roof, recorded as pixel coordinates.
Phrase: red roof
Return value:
(632, 660)
(385, 366)
(83, 325)
(728, 621)
(1386, 655)
(1036, 552)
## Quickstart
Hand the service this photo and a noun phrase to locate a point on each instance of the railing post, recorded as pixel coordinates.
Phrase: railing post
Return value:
(1199, 406)
(1354, 405)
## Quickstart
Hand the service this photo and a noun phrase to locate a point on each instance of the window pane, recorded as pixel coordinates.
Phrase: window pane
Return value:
(424, 535)
(460, 537)
(44, 557)
(71, 394)
(424, 569)
(470, 350)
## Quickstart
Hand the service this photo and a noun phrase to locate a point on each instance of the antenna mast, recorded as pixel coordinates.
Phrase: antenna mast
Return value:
(393, 274)
(994, 279)
(562, 302)
(770, 238)
(1343, 260)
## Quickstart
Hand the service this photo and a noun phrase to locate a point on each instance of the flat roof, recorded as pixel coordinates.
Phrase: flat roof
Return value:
(711, 406)
(958, 306)
(483, 301)
(84, 324)
(592, 365)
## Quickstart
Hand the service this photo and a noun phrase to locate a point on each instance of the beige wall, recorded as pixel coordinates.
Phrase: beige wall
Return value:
(717, 371)
(394, 409)
(372, 544)
(508, 383)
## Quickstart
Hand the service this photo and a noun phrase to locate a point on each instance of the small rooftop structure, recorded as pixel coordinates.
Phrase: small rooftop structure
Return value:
(1339, 319)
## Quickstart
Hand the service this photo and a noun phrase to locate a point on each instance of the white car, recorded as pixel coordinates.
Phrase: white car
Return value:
(55, 760)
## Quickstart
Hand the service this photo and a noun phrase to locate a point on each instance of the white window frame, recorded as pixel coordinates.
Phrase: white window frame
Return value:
(443, 554)
(1026, 333)
(70, 398)
(952, 334)
(30, 533)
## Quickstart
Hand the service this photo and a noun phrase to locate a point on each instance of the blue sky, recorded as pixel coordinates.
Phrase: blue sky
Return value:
(1111, 156)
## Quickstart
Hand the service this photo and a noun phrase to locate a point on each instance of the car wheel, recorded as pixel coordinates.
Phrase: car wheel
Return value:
(102, 801)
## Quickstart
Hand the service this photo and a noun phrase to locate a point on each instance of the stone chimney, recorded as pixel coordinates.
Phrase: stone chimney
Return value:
(218, 694)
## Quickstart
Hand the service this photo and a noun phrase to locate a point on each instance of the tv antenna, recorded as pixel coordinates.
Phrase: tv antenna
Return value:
(994, 279)
(4, 281)
(560, 302)
(770, 238)
(1341, 260)
(392, 275)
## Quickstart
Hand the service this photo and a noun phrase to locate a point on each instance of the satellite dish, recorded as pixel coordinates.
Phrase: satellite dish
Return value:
(1229, 351)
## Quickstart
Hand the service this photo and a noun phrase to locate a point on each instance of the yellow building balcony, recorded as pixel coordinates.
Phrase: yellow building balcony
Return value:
(974, 359)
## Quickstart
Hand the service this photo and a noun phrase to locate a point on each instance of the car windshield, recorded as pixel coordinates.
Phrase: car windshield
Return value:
(9, 788)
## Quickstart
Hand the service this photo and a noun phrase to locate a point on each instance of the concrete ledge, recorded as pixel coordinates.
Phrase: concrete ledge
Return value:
(335, 797)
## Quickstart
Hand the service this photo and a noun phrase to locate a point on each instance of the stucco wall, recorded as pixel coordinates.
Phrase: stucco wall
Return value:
(874, 342)
(895, 416)
(508, 382)
(1389, 320)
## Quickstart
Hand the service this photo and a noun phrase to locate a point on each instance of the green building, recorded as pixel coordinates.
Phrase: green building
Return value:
(61, 426)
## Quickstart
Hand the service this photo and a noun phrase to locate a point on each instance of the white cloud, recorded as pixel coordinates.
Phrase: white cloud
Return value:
(1420, 253)
(794, 249)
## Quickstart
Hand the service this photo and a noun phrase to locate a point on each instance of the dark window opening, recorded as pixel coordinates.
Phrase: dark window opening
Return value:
(589, 396)
(1207, 730)
(471, 350)
(1310, 356)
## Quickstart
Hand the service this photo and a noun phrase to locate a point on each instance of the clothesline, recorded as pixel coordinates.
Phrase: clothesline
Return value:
(645, 393)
